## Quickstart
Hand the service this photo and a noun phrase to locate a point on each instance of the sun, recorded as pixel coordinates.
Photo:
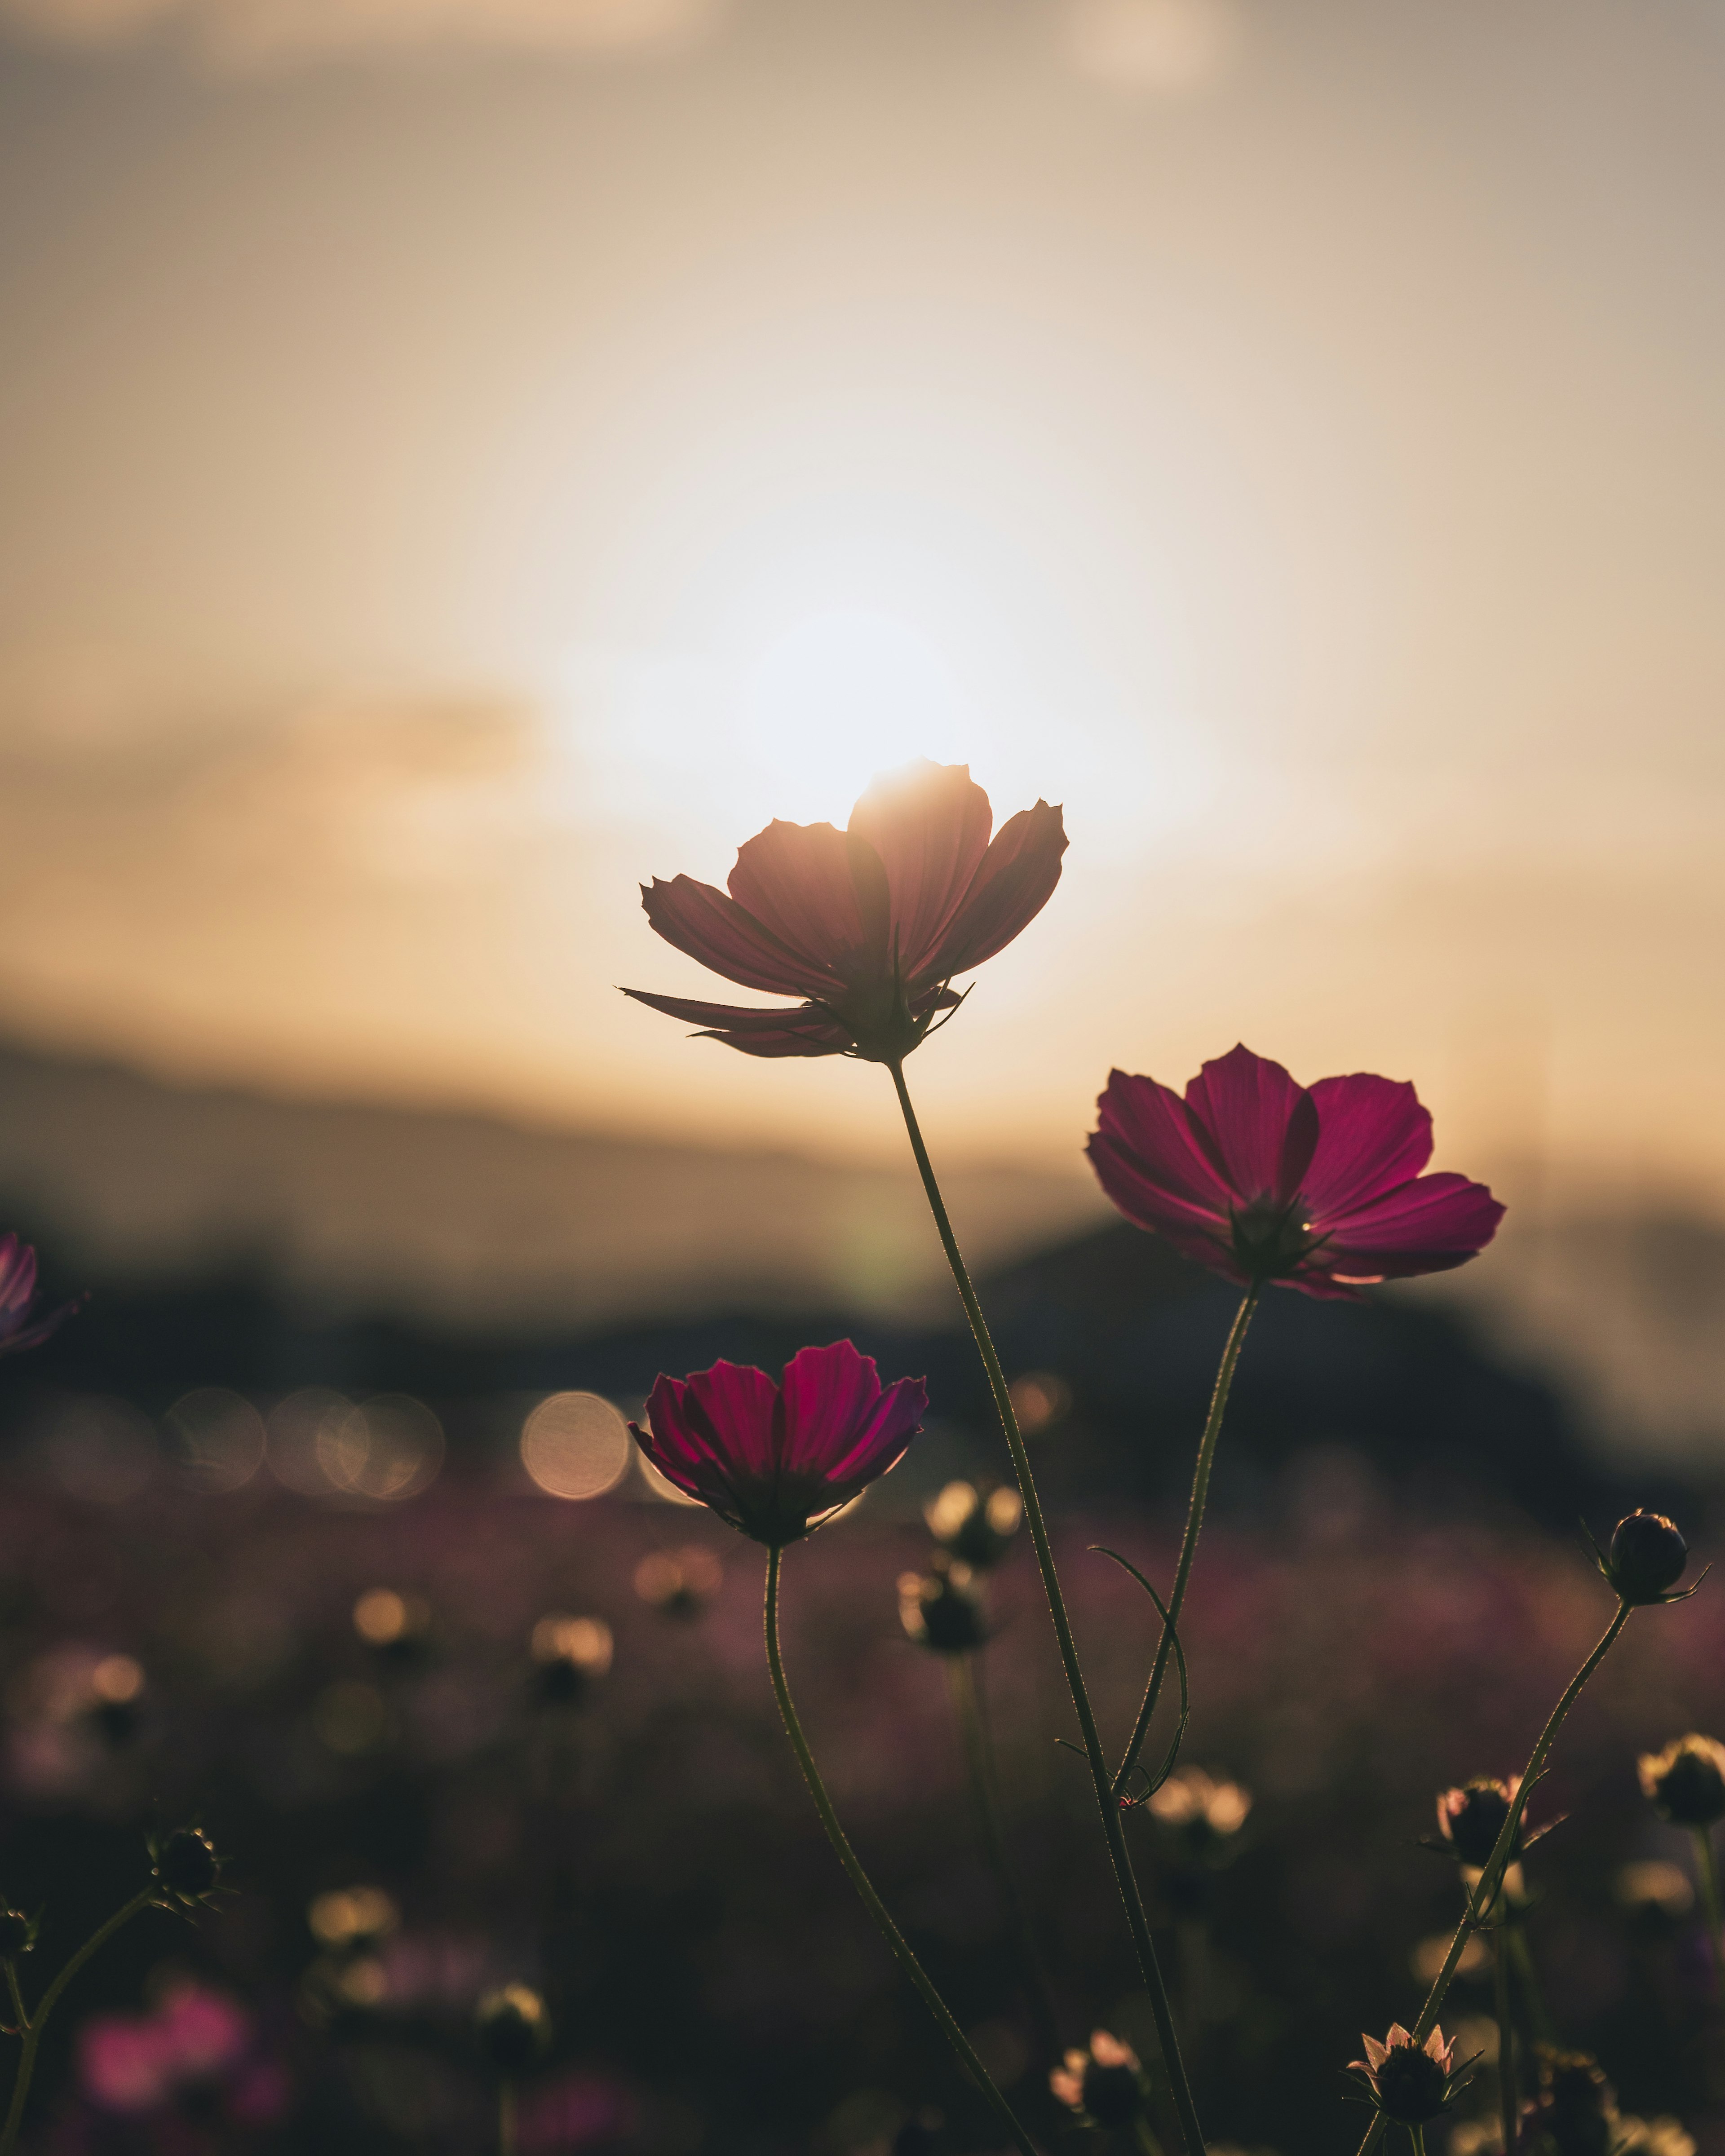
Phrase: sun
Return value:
(837, 696)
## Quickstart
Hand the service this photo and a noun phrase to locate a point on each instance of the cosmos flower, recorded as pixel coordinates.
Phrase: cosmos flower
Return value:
(942, 1610)
(869, 925)
(1104, 2085)
(18, 1292)
(1202, 1814)
(1647, 1555)
(1411, 2083)
(1263, 1179)
(1686, 1782)
(1470, 1818)
(775, 1461)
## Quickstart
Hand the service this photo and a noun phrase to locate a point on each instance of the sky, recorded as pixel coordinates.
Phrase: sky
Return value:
(461, 458)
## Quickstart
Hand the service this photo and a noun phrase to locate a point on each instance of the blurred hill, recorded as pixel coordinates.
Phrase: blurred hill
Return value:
(262, 1243)
(470, 1218)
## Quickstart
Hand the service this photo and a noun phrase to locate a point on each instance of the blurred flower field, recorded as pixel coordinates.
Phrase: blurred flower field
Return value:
(483, 1737)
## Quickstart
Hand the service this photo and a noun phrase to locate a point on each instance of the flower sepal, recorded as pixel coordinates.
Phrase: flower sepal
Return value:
(1410, 2082)
(1647, 1556)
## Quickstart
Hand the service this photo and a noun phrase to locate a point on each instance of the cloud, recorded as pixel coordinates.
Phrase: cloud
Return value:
(249, 36)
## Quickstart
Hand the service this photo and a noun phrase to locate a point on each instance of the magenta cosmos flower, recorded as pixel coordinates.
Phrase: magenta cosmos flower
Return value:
(18, 1292)
(1319, 1187)
(868, 925)
(773, 1460)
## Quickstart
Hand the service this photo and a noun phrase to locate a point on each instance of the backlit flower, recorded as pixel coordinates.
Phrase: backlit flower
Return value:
(869, 925)
(1647, 1555)
(1201, 1813)
(1470, 1818)
(1411, 2083)
(1686, 1781)
(942, 1610)
(1104, 2085)
(1319, 1187)
(775, 1461)
(19, 1329)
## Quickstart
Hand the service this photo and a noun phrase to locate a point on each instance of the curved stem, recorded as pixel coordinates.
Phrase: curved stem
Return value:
(1191, 2133)
(1707, 1867)
(979, 1757)
(1497, 1864)
(859, 1879)
(32, 2029)
(1194, 1522)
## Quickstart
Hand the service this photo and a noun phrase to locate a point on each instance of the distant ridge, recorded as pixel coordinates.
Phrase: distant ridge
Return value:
(472, 1219)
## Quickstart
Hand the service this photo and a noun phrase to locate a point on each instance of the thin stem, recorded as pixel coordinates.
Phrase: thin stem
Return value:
(859, 1879)
(1508, 2106)
(1191, 2133)
(1707, 1866)
(1491, 1879)
(18, 2007)
(979, 1758)
(33, 2025)
(1416, 2134)
(1145, 2134)
(1532, 1999)
(506, 2119)
(1194, 1522)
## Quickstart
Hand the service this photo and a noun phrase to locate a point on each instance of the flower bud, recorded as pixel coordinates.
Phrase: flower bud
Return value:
(186, 1865)
(1471, 1819)
(514, 2028)
(974, 1528)
(1647, 1556)
(18, 1933)
(942, 1610)
(1686, 1781)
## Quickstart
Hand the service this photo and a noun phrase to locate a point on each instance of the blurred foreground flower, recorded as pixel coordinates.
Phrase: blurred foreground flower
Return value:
(1104, 2085)
(776, 1460)
(1686, 1782)
(869, 924)
(1202, 1814)
(1263, 1179)
(942, 1611)
(18, 1292)
(977, 1530)
(1409, 2082)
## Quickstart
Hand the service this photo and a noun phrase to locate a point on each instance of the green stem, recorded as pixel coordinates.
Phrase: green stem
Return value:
(506, 2119)
(1194, 1522)
(1191, 2133)
(33, 2025)
(1706, 1867)
(1145, 2134)
(18, 2007)
(1532, 1999)
(1491, 1879)
(1508, 2108)
(859, 1879)
(979, 1758)
(1416, 2134)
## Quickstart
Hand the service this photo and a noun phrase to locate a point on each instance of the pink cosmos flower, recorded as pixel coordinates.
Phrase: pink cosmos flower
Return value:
(18, 1292)
(1263, 1179)
(776, 1460)
(869, 924)
(136, 2062)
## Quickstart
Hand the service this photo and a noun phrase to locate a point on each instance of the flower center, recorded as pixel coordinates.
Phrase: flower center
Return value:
(1269, 1240)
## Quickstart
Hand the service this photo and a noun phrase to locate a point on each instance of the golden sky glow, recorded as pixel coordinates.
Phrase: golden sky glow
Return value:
(457, 462)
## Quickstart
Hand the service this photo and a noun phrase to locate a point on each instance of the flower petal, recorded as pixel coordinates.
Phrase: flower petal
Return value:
(804, 1029)
(17, 1274)
(1372, 1135)
(839, 1422)
(1261, 1127)
(794, 880)
(1015, 881)
(929, 824)
(1149, 1127)
(722, 935)
(1429, 1225)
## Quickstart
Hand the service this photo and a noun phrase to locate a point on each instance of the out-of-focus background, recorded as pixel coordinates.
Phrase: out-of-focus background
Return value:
(461, 458)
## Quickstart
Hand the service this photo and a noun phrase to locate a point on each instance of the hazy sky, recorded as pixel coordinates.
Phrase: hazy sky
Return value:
(459, 458)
